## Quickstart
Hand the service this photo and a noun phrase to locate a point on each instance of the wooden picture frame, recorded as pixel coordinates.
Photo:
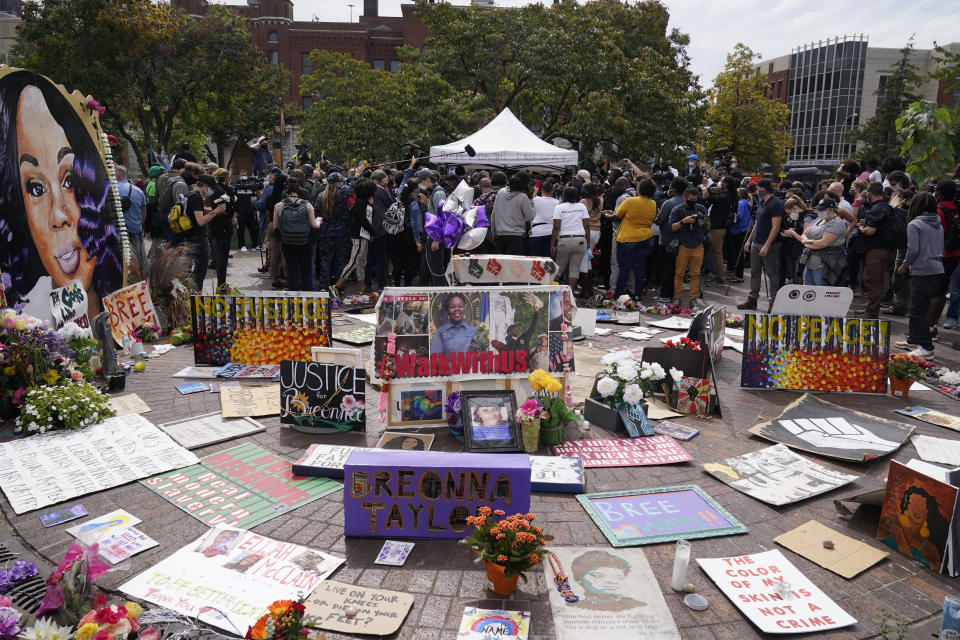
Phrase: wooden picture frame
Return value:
(503, 436)
(344, 356)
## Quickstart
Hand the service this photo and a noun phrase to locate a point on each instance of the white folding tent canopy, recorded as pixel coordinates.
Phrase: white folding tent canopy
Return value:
(506, 143)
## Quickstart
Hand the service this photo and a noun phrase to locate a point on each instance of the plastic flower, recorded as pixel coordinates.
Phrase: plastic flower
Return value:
(676, 374)
(632, 394)
(46, 629)
(627, 370)
(86, 631)
(606, 386)
(9, 371)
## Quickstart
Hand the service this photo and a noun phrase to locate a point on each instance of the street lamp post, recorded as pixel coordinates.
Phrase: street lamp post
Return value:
(351, 11)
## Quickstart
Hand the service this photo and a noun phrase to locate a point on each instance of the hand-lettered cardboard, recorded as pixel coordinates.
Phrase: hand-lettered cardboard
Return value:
(129, 308)
(379, 612)
(130, 403)
(624, 452)
(69, 304)
(847, 558)
(250, 402)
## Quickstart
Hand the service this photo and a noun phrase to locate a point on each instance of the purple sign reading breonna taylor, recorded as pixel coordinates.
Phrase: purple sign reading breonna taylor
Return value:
(657, 514)
(429, 494)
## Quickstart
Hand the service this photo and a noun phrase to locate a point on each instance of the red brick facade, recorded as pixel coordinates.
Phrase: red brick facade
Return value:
(288, 42)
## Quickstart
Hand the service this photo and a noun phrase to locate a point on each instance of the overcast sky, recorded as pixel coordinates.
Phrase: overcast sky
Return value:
(770, 28)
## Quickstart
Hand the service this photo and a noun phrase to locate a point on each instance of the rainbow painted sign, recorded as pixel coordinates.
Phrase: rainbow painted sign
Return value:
(650, 516)
(815, 353)
(493, 624)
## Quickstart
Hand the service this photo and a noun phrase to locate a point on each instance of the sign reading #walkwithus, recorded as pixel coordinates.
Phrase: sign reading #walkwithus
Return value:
(426, 494)
(322, 398)
(815, 353)
(259, 328)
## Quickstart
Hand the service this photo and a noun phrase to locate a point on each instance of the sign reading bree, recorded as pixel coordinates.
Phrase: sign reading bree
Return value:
(428, 494)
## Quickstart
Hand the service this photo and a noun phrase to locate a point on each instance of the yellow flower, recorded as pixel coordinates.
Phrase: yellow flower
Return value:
(133, 609)
(9, 371)
(554, 386)
(51, 376)
(86, 631)
(534, 383)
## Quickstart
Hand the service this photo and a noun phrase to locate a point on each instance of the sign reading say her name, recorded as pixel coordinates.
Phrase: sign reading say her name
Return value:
(69, 304)
(426, 494)
(129, 308)
(322, 398)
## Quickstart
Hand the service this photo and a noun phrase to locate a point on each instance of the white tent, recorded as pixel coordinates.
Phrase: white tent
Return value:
(504, 142)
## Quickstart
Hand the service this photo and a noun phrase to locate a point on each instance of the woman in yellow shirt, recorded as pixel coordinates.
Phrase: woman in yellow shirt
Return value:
(635, 237)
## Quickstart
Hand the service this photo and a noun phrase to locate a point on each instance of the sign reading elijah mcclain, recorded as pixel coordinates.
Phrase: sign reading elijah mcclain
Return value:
(322, 397)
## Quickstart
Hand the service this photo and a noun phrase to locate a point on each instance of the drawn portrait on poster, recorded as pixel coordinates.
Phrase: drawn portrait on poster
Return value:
(58, 224)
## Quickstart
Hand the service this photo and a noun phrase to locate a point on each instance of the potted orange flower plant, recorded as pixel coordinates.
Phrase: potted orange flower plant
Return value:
(509, 546)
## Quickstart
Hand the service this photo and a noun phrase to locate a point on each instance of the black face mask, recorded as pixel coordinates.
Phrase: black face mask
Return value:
(690, 203)
(189, 178)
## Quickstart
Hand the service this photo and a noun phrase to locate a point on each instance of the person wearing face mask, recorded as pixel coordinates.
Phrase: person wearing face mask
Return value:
(194, 239)
(693, 173)
(876, 246)
(823, 257)
(798, 218)
(689, 223)
(262, 158)
(763, 245)
(734, 171)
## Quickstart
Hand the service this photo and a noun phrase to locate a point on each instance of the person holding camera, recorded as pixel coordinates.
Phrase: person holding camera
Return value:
(764, 246)
(221, 227)
(689, 223)
(722, 209)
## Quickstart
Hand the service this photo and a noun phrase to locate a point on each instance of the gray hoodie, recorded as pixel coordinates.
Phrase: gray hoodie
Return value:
(512, 211)
(924, 246)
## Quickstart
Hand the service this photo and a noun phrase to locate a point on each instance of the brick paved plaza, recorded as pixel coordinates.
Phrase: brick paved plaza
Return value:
(443, 578)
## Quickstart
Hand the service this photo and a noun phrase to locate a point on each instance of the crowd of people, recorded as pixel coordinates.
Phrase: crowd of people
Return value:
(657, 235)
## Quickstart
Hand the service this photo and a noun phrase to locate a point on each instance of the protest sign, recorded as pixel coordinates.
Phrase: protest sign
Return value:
(650, 516)
(59, 465)
(556, 474)
(931, 416)
(259, 328)
(211, 428)
(322, 398)
(69, 304)
(228, 576)
(774, 595)
(130, 308)
(489, 624)
(117, 546)
(379, 612)
(240, 487)
(776, 475)
(88, 532)
(473, 269)
(847, 557)
(238, 371)
(130, 403)
(252, 402)
(815, 425)
(815, 353)
(798, 299)
(324, 460)
(620, 598)
(624, 452)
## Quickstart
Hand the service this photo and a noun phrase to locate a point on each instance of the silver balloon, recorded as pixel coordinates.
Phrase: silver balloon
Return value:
(460, 199)
(472, 239)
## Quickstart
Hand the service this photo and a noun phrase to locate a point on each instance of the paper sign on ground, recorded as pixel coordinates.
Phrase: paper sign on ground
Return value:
(394, 553)
(248, 371)
(192, 387)
(197, 372)
(63, 515)
(120, 545)
(211, 428)
(777, 475)
(673, 322)
(491, 624)
(752, 583)
(90, 531)
(659, 410)
(623, 601)
(558, 474)
(624, 452)
(932, 416)
(234, 571)
(253, 402)
(60, 465)
(676, 431)
(940, 450)
(129, 308)
(379, 612)
(240, 487)
(847, 558)
(130, 403)
(324, 460)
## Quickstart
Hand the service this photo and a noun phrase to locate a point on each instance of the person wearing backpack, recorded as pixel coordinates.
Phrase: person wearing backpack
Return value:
(294, 217)
(134, 205)
(877, 229)
(405, 245)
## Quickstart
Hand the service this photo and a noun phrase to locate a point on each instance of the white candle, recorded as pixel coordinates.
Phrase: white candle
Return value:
(681, 560)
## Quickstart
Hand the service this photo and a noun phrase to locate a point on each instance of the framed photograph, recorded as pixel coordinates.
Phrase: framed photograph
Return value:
(417, 404)
(405, 441)
(489, 422)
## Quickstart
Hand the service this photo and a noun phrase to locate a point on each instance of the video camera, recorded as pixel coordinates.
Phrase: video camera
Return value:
(248, 185)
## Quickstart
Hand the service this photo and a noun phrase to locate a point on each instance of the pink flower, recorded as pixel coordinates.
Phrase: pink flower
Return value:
(348, 403)
(76, 376)
(18, 395)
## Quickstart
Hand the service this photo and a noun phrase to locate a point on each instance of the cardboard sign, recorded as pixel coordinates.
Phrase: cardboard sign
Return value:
(650, 516)
(620, 598)
(129, 308)
(69, 304)
(211, 428)
(774, 595)
(240, 402)
(798, 299)
(556, 474)
(259, 328)
(624, 452)
(489, 624)
(776, 475)
(130, 403)
(379, 612)
(426, 494)
(815, 353)
(847, 558)
(240, 487)
(235, 370)
(482, 332)
(939, 450)
(932, 416)
(236, 572)
(322, 398)
(60, 465)
(324, 460)
(815, 425)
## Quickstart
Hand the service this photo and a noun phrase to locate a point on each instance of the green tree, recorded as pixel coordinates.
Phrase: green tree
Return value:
(927, 131)
(947, 73)
(741, 116)
(878, 137)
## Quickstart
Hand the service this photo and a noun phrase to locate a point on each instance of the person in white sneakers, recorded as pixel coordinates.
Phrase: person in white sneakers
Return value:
(924, 262)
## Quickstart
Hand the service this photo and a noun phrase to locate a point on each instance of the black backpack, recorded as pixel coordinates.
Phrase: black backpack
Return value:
(125, 200)
(896, 229)
(294, 223)
(951, 234)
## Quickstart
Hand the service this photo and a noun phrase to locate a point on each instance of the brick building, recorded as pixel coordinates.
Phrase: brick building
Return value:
(288, 42)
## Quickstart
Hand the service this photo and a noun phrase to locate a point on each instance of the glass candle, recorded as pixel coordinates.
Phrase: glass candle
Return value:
(681, 560)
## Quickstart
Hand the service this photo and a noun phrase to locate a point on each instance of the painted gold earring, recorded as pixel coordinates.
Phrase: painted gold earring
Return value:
(924, 531)
(904, 520)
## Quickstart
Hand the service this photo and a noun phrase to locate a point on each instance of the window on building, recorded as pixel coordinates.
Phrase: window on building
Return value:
(394, 66)
(273, 56)
(306, 102)
(273, 36)
(378, 64)
(306, 64)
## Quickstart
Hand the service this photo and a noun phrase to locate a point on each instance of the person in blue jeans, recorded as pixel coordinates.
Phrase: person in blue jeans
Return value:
(634, 240)
(823, 256)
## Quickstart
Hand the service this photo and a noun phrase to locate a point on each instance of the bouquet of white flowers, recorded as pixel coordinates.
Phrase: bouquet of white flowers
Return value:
(627, 380)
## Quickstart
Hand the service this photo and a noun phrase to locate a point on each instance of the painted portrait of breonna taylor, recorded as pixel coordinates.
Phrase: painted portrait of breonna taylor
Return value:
(57, 221)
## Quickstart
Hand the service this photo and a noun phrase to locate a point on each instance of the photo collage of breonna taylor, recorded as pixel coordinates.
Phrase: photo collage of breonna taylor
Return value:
(499, 331)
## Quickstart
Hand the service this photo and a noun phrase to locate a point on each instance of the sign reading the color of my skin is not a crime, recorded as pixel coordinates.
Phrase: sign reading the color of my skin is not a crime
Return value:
(815, 353)
(129, 308)
(425, 494)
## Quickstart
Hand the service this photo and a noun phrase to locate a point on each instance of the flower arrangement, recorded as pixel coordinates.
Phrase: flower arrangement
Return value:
(181, 335)
(70, 584)
(511, 541)
(84, 348)
(68, 406)
(530, 410)
(905, 366)
(453, 406)
(46, 629)
(548, 392)
(625, 379)
(735, 321)
(283, 622)
(147, 333)
(107, 623)
(683, 343)
(19, 572)
(95, 106)
(358, 299)
(9, 619)
(623, 303)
